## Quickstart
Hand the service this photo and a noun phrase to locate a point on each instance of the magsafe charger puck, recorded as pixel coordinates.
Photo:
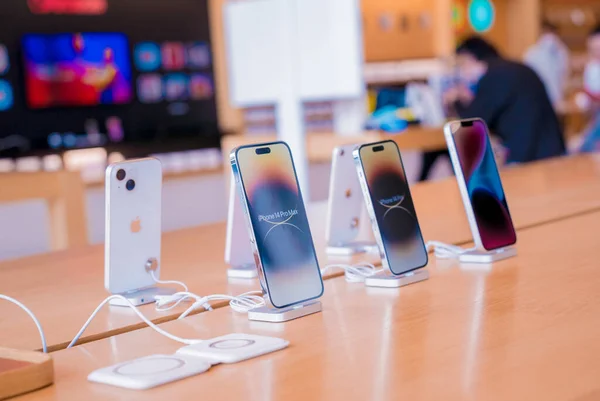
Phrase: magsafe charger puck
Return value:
(150, 371)
(234, 347)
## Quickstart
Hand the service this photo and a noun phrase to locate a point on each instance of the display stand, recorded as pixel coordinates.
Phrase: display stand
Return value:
(276, 315)
(483, 256)
(244, 271)
(145, 295)
(388, 280)
(142, 296)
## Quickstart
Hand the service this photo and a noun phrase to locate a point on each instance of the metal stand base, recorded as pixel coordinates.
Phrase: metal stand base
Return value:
(244, 271)
(352, 248)
(274, 315)
(143, 296)
(389, 280)
(481, 256)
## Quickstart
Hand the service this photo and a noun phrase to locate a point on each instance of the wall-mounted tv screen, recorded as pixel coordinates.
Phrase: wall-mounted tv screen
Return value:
(77, 69)
(133, 76)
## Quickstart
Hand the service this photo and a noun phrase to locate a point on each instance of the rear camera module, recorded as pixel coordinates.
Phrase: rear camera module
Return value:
(121, 175)
(130, 185)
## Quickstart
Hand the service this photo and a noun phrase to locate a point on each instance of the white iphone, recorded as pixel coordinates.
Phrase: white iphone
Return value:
(346, 232)
(480, 184)
(345, 203)
(133, 224)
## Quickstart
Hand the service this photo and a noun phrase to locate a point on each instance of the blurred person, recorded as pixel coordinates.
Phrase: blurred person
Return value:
(510, 98)
(591, 86)
(549, 58)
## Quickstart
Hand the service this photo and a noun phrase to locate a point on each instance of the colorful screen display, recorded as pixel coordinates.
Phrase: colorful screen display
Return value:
(483, 185)
(393, 207)
(280, 225)
(81, 69)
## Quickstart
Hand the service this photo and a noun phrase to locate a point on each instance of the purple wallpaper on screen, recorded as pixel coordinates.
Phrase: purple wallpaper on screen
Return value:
(484, 186)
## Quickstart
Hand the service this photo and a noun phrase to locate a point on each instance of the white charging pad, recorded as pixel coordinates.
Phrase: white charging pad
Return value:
(150, 371)
(233, 348)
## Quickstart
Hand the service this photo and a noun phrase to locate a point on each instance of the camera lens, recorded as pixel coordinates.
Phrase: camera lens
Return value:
(130, 185)
(121, 175)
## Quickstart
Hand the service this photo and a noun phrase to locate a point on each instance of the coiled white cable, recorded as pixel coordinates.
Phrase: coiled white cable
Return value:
(446, 251)
(240, 303)
(165, 303)
(32, 316)
(139, 314)
(355, 273)
(176, 298)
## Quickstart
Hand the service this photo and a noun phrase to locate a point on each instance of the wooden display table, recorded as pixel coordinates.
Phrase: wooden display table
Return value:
(526, 328)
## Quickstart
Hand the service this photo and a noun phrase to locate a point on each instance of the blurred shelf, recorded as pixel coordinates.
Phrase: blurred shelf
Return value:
(167, 176)
(402, 71)
(321, 144)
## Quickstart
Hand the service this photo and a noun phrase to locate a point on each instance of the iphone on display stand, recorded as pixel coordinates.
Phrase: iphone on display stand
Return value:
(133, 230)
(393, 216)
(238, 250)
(481, 190)
(346, 211)
(279, 231)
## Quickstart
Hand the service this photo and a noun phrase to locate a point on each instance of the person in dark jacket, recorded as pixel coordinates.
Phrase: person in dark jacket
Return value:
(510, 98)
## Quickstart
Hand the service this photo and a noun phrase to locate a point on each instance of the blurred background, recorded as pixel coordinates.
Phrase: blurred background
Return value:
(84, 83)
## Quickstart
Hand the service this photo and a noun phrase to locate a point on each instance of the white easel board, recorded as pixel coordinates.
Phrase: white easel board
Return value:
(255, 42)
(318, 42)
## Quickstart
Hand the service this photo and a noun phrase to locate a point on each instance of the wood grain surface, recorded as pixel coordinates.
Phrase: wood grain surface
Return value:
(526, 328)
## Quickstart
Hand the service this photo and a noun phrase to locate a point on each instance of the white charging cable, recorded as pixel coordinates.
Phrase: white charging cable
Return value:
(446, 251)
(138, 313)
(32, 316)
(354, 273)
(240, 303)
(174, 299)
(156, 280)
(165, 303)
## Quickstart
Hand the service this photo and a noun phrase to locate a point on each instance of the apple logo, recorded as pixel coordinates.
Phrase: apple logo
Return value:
(136, 225)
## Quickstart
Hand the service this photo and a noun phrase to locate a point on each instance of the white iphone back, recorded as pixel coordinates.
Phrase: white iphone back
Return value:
(133, 224)
(345, 204)
(238, 249)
